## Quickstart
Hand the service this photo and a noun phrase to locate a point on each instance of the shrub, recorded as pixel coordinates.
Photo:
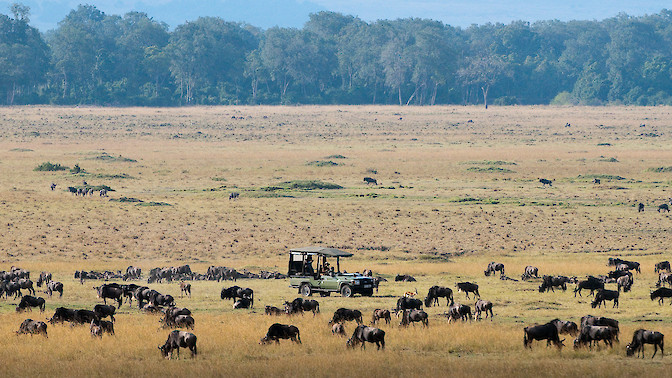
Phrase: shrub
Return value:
(505, 101)
(48, 167)
(564, 98)
(335, 157)
(489, 170)
(660, 169)
(322, 163)
(302, 185)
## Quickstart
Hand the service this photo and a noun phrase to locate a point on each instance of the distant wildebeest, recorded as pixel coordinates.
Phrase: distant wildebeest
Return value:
(661, 294)
(545, 182)
(483, 306)
(566, 327)
(103, 311)
(132, 273)
(548, 332)
(530, 271)
(370, 180)
(468, 287)
(605, 295)
(111, 291)
(413, 316)
(185, 289)
(404, 278)
(436, 292)
(343, 314)
(234, 195)
(624, 282)
(660, 266)
(55, 286)
(28, 302)
(494, 267)
(234, 292)
(338, 329)
(406, 303)
(176, 340)
(663, 208)
(279, 331)
(640, 207)
(459, 312)
(364, 334)
(45, 277)
(641, 337)
(591, 283)
(593, 334)
(98, 327)
(272, 310)
(33, 327)
(381, 314)
(52, 186)
(596, 181)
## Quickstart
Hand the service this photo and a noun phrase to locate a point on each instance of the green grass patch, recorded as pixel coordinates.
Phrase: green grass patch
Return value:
(660, 169)
(608, 160)
(323, 163)
(49, 167)
(217, 178)
(302, 185)
(126, 199)
(112, 159)
(21, 150)
(120, 176)
(153, 203)
(491, 162)
(335, 157)
(600, 177)
(489, 170)
(604, 144)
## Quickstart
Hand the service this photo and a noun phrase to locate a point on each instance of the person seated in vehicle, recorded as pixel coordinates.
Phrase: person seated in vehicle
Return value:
(308, 266)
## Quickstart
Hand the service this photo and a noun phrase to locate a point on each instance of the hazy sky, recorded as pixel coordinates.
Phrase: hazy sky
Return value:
(294, 13)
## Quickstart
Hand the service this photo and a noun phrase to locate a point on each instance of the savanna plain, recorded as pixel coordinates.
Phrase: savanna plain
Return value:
(458, 188)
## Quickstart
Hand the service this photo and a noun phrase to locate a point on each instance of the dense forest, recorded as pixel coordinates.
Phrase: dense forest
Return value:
(101, 59)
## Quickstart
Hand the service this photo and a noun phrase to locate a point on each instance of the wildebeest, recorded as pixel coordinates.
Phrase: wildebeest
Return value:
(132, 273)
(530, 271)
(158, 299)
(663, 278)
(44, 277)
(661, 293)
(548, 332)
(660, 266)
(176, 340)
(494, 267)
(299, 305)
(185, 289)
(103, 311)
(591, 283)
(605, 295)
(412, 316)
(663, 208)
(566, 327)
(377, 281)
(381, 314)
(243, 302)
(370, 180)
(112, 291)
(407, 303)
(55, 286)
(279, 331)
(272, 310)
(624, 282)
(590, 334)
(404, 278)
(640, 207)
(25, 283)
(98, 327)
(483, 306)
(234, 292)
(62, 314)
(436, 292)
(338, 329)
(590, 320)
(234, 196)
(32, 327)
(186, 321)
(343, 314)
(364, 334)
(545, 182)
(84, 316)
(172, 313)
(468, 287)
(28, 302)
(459, 312)
(641, 337)
(596, 181)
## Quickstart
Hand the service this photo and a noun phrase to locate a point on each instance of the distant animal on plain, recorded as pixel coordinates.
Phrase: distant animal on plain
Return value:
(545, 182)
(370, 180)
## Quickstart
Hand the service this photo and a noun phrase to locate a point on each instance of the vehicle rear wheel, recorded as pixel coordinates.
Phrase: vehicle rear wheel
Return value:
(346, 291)
(305, 290)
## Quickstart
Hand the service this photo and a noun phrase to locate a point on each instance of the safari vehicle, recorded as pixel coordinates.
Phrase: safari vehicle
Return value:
(310, 272)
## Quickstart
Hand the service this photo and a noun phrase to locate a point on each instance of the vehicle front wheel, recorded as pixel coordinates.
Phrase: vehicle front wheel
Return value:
(346, 291)
(305, 290)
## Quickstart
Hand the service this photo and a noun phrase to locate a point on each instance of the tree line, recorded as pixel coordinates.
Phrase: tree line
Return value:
(100, 59)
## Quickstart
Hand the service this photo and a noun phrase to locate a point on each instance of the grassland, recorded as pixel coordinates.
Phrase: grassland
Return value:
(459, 188)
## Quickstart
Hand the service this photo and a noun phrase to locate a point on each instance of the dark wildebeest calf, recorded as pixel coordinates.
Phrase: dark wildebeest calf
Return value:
(272, 310)
(641, 337)
(413, 316)
(436, 292)
(176, 340)
(364, 334)
(32, 327)
(279, 331)
(468, 287)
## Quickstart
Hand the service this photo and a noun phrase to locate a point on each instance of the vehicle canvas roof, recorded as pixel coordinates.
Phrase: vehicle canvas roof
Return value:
(331, 252)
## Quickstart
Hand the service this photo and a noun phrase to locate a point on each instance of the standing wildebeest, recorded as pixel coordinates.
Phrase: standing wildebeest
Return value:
(624, 282)
(605, 295)
(436, 292)
(591, 283)
(132, 273)
(98, 327)
(660, 266)
(84, 316)
(661, 293)
(663, 278)
(663, 208)
(494, 267)
(364, 334)
(243, 302)
(176, 340)
(483, 306)
(44, 277)
(301, 305)
(640, 207)
(590, 320)
(641, 337)
(25, 283)
(468, 287)
(279, 331)
(63, 314)
(112, 291)
(234, 196)
(370, 180)
(548, 332)
(28, 302)
(55, 286)
(343, 314)
(406, 303)
(459, 312)
(234, 292)
(158, 299)
(381, 314)
(412, 316)
(590, 334)
(338, 329)
(545, 182)
(52, 186)
(596, 181)
(185, 289)
(530, 271)
(566, 327)
(32, 327)
(103, 311)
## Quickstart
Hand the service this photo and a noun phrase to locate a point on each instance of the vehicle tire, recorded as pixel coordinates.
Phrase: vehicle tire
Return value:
(305, 290)
(346, 291)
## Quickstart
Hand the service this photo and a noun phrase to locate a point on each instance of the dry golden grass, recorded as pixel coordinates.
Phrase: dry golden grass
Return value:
(433, 217)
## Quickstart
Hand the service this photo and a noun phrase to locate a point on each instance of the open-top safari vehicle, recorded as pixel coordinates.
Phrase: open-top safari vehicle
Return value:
(310, 272)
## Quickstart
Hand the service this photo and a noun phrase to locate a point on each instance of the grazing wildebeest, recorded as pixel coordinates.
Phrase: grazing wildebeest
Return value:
(242, 303)
(530, 271)
(591, 283)
(234, 292)
(28, 302)
(459, 312)
(364, 334)
(112, 291)
(407, 303)
(233, 196)
(52, 186)
(566, 327)
(370, 180)
(103, 311)
(63, 314)
(624, 282)
(158, 299)
(590, 334)
(404, 278)
(176, 340)
(661, 293)
(605, 295)
(436, 292)
(85, 316)
(343, 314)
(494, 267)
(25, 283)
(545, 182)
(660, 266)
(32, 327)
(590, 320)
(55, 286)
(132, 273)
(640, 207)
(548, 332)
(186, 321)
(483, 306)
(412, 316)
(663, 278)
(185, 289)
(279, 331)
(171, 314)
(468, 287)
(272, 310)
(98, 327)
(641, 337)
(615, 274)
(663, 208)
(44, 277)
(338, 329)
(596, 181)
(381, 314)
